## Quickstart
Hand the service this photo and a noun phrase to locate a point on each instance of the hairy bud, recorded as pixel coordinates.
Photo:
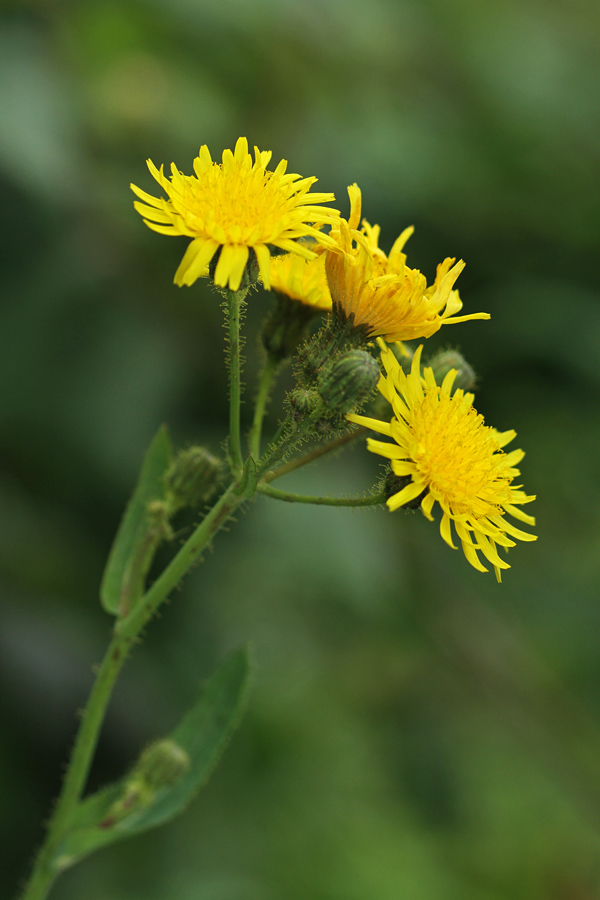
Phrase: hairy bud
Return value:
(162, 764)
(305, 403)
(192, 478)
(286, 326)
(444, 361)
(349, 381)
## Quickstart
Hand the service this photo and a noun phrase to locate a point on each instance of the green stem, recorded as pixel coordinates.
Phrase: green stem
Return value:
(235, 303)
(312, 455)
(283, 426)
(44, 874)
(126, 632)
(277, 450)
(264, 387)
(233, 497)
(372, 500)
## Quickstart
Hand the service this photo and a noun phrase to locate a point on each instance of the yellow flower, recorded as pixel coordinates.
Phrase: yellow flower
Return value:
(381, 293)
(235, 206)
(301, 279)
(446, 455)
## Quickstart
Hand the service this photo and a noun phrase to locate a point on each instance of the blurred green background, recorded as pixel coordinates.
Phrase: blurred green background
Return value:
(416, 730)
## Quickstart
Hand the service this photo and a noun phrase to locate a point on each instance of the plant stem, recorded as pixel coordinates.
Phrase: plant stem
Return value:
(235, 302)
(264, 386)
(312, 455)
(283, 426)
(44, 874)
(223, 509)
(126, 632)
(372, 500)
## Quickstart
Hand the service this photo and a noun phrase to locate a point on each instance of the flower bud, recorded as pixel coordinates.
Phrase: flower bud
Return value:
(192, 478)
(349, 381)
(285, 326)
(304, 403)
(444, 361)
(157, 518)
(162, 764)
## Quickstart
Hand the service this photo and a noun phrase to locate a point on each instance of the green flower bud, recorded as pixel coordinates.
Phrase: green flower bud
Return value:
(285, 326)
(162, 764)
(349, 381)
(192, 478)
(305, 403)
(444, 361)
(157, 513)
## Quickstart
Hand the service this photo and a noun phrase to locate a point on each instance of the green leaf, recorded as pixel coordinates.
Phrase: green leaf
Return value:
(132, 533)
(202, 734)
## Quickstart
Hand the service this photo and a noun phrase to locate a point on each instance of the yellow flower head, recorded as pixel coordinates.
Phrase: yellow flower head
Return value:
(301, 279)
(235, 206)
(382, 293)
(446, 455)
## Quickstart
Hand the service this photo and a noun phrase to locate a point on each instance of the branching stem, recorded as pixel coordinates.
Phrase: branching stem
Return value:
(317, 453)
(126, 632)
(372, 500)
(264, 387)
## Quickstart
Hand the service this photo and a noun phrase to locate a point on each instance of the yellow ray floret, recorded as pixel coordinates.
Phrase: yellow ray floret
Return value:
(301, 279)
(381, 292)
(234, 207)
(447, 455)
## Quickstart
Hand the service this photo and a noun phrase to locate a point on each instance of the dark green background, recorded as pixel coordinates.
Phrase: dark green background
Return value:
(416, 730)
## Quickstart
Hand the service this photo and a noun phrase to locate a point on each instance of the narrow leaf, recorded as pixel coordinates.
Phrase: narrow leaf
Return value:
(133, 805)
(132, 535)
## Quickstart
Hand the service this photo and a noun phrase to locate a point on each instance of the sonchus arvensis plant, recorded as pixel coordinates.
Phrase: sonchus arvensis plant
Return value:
(341, 314)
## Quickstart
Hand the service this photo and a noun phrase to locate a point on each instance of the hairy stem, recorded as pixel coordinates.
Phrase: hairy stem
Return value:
(223, 509)
(235, 305)
(266, 380)
(126, 632)
(317, 453)
(44, 873)
(372, 500)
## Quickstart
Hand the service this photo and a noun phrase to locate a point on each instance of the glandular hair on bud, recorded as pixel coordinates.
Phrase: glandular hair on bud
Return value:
(285, 326)
(445, 360)
(192, 478)
(305, 403)
(161, 764)
(348, 381)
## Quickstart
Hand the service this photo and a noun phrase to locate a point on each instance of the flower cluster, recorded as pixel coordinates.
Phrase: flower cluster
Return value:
(247, 222)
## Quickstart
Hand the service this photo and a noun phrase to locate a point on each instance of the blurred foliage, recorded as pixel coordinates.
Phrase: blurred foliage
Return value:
(416, 730)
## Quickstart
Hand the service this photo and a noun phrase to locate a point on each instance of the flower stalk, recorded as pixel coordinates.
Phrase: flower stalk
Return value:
(262, 397)
(235, 302)
(288, 497)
